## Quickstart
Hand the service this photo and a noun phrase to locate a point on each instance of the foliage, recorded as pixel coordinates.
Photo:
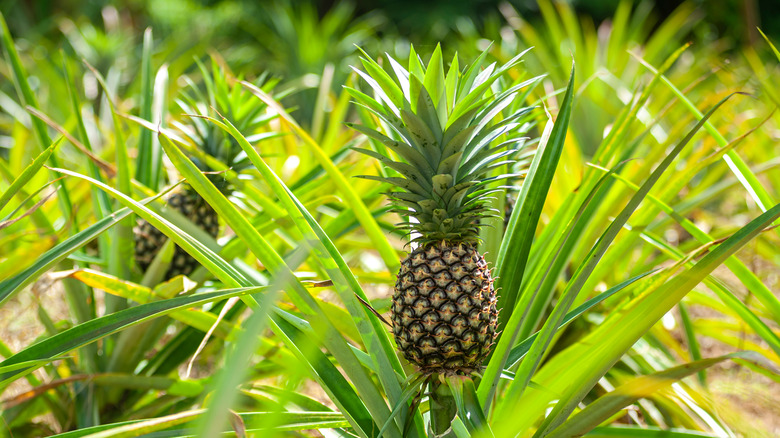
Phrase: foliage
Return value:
(642, 231)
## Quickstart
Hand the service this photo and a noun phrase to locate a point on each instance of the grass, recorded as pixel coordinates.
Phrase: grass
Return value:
(643, 233)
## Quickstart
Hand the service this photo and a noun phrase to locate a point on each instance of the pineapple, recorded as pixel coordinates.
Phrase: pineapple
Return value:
(248, 115)
(444, 137)
(149, 240)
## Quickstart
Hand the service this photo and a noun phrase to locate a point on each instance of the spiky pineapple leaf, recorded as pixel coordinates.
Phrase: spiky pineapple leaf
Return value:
(408, 153)
(446, 133)
(425, 109)
(383, 80)
(513, 257)
(91, 331)
(28, 173)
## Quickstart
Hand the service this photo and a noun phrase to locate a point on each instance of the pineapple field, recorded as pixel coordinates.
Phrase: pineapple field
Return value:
(447, 219)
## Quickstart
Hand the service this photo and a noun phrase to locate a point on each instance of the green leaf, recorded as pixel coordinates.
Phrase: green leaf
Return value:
(149, 158)
(373, 334)
(200, 252)
(529, 365)
(598, 352)
(482, 83)
(410, 172)
(468, 77)
(27, 174)
(416, 68)
(20, 77)
(520, 350)
(408, 153)
(256, 423)
(469, 409)
(516, 244)
(90, 331)
(203, 321)
(434, 84)
(420, 136)
(55, 255)
(451, 86)
(329, 377)
(380, 90)
(384, 81)
(101, 204)
(352, 199)
(738, 166)
(28, 99)
(121, 256)
(425, 109)
(412, 388)
(631, 391)
(740, 270)
(513, 256)
(229, 378)
(645, 432)
(25, 364)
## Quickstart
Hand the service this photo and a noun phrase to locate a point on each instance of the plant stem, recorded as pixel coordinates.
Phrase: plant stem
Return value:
(443, 408)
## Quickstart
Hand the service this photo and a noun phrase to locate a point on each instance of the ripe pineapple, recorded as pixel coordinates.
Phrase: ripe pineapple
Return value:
(248, 115)
(446, 132)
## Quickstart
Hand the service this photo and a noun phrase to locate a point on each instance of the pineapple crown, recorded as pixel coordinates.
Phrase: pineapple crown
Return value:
(444, 129)
(228, 98)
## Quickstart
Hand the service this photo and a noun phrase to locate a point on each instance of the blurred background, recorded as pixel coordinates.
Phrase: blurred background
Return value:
(302, 42)
(244, 27)
(734, 20)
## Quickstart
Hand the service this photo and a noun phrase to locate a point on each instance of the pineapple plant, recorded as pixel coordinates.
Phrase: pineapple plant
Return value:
(207, 143)
(149, 240)
(443, 140)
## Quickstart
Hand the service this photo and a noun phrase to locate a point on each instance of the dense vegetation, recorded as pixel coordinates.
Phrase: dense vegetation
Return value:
(201, 222)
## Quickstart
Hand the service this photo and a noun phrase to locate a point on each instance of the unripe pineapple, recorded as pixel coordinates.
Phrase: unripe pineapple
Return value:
(248, 115)
(444, 307)
(149, 240)
(444, 136)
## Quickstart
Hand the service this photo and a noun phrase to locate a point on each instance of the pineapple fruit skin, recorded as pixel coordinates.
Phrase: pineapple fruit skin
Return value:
(444, 308)
(444, 150)
(149, 240)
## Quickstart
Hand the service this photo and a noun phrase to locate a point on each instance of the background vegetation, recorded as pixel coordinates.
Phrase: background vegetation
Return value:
(645, 296)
